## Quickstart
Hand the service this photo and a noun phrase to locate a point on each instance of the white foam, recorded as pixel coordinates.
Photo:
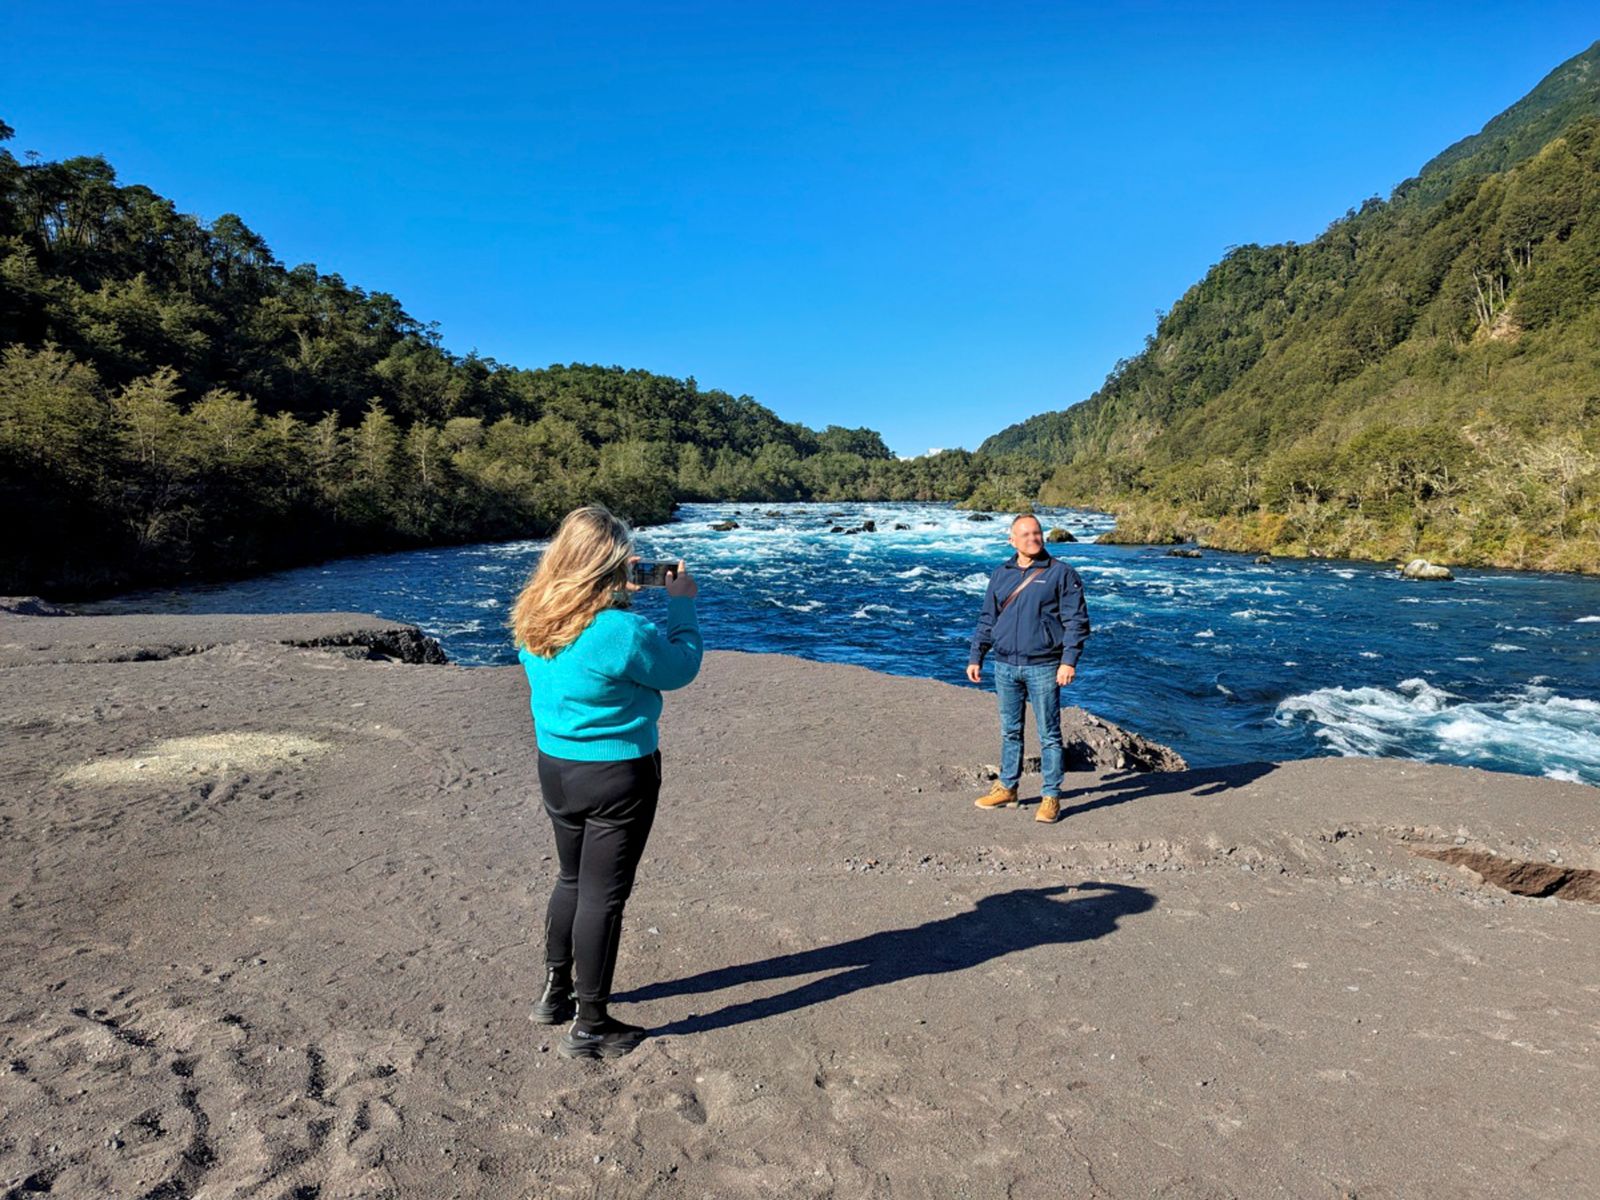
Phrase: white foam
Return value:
(1370, 654)
(1586, 620)
(1546, 732)
(867, 611)
(453, 628)
(1365, 720)
(1206, 633)
(512, 549)
(1505, 648)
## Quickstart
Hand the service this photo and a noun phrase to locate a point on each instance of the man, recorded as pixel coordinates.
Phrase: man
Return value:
(1034, 622)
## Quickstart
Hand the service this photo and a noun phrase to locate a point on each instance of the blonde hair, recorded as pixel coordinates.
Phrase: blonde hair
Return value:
(584, 571)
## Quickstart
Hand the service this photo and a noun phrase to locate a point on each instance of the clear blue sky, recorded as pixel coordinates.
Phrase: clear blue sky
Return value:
(934, 219)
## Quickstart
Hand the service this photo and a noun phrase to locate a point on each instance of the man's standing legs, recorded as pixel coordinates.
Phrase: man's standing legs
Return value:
(1045, 696)
(1012, 692)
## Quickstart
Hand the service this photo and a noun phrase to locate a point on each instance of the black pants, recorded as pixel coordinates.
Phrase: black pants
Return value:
(602, 813)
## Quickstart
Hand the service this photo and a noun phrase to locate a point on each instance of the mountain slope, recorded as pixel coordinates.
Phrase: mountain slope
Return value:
(1423, 377)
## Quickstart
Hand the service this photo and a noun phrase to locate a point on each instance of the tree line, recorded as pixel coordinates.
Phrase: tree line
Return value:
(175, 403)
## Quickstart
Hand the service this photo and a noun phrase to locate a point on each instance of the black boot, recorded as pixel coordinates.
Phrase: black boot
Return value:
(606, 1038)
(557, 1004)
(597, 1034)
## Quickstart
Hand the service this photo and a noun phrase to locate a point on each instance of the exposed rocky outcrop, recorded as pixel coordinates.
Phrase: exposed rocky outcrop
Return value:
(1421, 568)
(399, 643)
(31, 606)
(149, 637)
(1092, 743)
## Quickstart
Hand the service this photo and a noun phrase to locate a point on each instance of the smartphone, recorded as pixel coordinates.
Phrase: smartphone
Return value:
(652, 574)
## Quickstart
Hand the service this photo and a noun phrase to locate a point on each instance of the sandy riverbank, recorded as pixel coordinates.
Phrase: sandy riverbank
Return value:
(272, 925)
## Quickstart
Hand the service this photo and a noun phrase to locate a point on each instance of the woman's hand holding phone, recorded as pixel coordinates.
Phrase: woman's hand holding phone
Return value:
(681, 583)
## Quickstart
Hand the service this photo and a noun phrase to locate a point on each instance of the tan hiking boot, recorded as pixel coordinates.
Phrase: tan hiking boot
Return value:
(1049, 810)
(999, 796)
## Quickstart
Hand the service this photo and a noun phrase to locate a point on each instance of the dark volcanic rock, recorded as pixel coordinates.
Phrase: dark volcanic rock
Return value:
(1183, 552)
(1059, 534)
(1091, 743)
(725, 526)
(980, 517)
(31, 606)
(404, 643)
(1094, 744)
(156, 637)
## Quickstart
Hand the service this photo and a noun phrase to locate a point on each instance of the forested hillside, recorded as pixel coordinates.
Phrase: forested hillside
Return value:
(176, 403)
(1424, 378)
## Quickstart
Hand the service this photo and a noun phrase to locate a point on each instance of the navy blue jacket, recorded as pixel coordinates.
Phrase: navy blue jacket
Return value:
(1047, 622)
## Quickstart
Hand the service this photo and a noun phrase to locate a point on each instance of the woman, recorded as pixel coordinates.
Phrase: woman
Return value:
(596, 672)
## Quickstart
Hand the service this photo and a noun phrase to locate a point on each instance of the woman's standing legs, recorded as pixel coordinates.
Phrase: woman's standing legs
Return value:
(601, 813)
(563, 906)
(613, 842)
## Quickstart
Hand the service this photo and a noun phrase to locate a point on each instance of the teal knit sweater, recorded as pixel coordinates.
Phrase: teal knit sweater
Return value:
(598, 699)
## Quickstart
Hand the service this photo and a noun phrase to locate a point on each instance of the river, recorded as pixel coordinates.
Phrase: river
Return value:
(1223, 659)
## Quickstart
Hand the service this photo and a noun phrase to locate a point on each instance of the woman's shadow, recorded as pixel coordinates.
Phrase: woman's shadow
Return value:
(997, 926)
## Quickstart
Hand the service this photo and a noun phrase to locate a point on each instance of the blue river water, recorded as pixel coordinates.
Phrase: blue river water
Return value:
(1221, 658)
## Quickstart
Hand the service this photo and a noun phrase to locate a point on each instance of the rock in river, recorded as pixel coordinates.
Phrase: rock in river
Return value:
(1421, 568)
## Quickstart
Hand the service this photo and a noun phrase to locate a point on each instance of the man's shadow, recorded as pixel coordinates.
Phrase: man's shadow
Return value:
(1143, 785)
(997, 926)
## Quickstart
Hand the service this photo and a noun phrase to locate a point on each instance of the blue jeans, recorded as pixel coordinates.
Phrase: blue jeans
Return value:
(1018, 687)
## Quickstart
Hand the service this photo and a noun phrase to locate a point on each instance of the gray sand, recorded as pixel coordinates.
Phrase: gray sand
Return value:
(292, 954)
